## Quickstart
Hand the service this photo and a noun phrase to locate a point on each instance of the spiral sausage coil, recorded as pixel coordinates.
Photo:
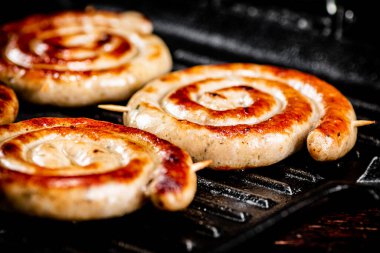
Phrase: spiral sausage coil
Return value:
(245, 115)
(80, 169)
(80, 58)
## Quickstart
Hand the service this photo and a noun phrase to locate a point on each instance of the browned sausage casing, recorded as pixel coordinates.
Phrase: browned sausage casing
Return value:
(79, 169)
(76, 58)
(8, 105)
(245, 115)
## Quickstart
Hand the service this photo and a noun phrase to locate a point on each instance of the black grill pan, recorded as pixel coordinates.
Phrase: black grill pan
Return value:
(231, 209)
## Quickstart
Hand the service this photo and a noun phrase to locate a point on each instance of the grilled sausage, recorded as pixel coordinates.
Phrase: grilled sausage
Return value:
(80, 58)
(8, 105)
(79, 169)
(245, 115)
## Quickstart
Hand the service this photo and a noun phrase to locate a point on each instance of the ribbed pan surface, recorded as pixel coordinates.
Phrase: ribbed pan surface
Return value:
(230, 208)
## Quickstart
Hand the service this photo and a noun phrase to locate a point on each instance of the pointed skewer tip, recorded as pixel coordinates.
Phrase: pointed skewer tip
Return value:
(200, 165)
(359, 123)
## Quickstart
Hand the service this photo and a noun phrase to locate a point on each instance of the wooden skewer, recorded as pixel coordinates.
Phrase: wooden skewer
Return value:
(359, 123)
(200, 165)
(114, 108)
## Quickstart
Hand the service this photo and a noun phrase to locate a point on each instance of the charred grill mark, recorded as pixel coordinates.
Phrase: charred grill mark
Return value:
(106, 38)
(63, 75)
(334, 127)
(263, 102)
(171, 78)
(122, 48)
(10, 148)
(8, 105)
(55, 48)
(214, 94)
(156, 52)
(298, 110)
(123, 175)
(4, 95)
(176, 174)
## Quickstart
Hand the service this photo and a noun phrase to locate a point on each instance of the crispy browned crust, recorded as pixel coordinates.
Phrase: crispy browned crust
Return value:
(51, 74)
(324, 114)
(8, 105)
(297, 110)
(171, 186)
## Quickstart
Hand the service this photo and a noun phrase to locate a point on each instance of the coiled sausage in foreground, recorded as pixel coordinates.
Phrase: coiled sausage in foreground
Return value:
(79, 169)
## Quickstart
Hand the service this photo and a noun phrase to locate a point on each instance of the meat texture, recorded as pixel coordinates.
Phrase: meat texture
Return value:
(77, 58)
(80, 169)
(245, 115)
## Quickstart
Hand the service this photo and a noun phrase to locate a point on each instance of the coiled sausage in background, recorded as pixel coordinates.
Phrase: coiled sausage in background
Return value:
(77, 58)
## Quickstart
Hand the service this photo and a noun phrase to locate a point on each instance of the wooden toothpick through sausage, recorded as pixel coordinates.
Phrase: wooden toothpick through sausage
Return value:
(113, 108)
(359, 123)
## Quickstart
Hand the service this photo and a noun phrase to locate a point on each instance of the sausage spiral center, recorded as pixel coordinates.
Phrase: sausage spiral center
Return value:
(71, 48)
(235, 101)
